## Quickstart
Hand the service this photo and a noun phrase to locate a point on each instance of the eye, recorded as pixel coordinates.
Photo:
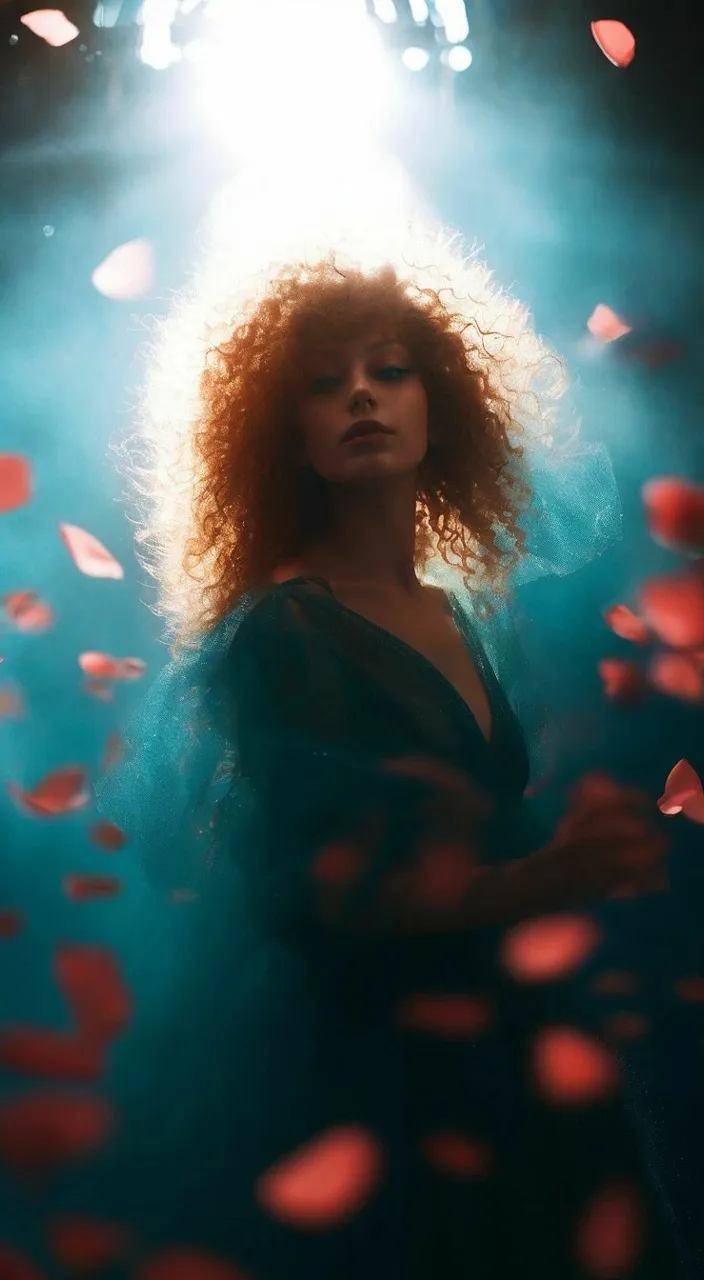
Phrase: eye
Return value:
(322, 384)
(393, 369)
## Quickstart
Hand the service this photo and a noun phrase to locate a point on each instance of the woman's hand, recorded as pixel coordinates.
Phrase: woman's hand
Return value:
(607, 845)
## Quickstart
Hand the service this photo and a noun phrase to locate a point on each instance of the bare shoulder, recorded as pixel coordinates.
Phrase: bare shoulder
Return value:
(437, 599)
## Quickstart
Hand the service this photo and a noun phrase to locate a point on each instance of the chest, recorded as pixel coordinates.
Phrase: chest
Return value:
(431, 631)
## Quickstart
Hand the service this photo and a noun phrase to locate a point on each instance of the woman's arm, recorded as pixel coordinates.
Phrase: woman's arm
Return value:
(363, 846)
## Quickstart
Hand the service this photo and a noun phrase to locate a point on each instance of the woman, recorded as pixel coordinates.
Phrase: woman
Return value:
(330, 726)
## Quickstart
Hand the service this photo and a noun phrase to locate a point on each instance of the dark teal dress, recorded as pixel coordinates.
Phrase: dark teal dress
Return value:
(306, 727)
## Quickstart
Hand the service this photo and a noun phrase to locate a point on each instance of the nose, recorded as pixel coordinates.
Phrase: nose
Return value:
(361, 398)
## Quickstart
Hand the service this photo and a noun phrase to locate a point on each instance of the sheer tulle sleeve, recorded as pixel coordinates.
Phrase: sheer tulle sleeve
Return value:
(246, 754)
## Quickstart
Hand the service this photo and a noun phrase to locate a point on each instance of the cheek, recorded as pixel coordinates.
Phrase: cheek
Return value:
(317, 432)
(418, 410)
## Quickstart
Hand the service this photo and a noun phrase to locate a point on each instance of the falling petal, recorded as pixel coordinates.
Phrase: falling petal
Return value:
(605, 325)
(683, 793)
(63, 791)
(623, 682)
(127, 272)
(10, 705)
(571, 1068)
(324, 1182)
(88, 554)
(610, 1235)
(678, 675)
(616, 42)
(99, 665)
(453, 1016)
(626, 1027)
(625, 623)
(27, 612)
(690, 990)
(15, 481)
(41, 1131)
(615, 983)
(58, 1055)
(107, 836)
(338, 864)
(15, 1266)
(548, 949)
(113, 752)
(86, 1244)
(674, 608)
(51, 25)
(11, 923)
(675, 513)
(85, 888)
(92, 985)
(188, 1264)
(456, 1155)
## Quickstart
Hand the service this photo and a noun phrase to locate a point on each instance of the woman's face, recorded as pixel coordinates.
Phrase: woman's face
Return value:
(348, 388)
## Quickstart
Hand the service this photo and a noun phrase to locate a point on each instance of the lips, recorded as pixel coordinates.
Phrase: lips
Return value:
(366, 427)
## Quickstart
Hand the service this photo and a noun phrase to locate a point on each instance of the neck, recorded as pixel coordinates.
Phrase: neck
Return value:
(370, 540)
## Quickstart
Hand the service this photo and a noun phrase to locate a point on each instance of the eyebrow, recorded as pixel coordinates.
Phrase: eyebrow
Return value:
(374, 346)
(386, 342)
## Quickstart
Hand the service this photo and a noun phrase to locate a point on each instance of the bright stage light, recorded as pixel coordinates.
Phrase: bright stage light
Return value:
(454, 19)
(415, 59)
(459, 58)
(293, 79)
(283, 205)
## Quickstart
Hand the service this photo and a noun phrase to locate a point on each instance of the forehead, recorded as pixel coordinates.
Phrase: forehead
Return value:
(369, 344)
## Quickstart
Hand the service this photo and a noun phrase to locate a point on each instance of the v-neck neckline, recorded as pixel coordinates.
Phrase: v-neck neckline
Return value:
(462, 628)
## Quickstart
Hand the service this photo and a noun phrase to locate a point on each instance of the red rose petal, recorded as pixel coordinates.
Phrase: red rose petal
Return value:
(85, 888)
(674, 608)
(89, 555)
(107, 836)
(90, 980)
(683, 793)
(14, 1266)
(324, 1182)
(11, 922)
(63, 791)
(44, 1130)
(610, 1235)
(678, 675)
(690, 990)
(99, 665)
(15, 481)
(188, 1264)
(625, 623)
(616, 42)
(572, 1069)
(50, 25)
(675, 512)
(57, 1055)
(605, 325)
(450, 1015)
(626, 1026)
(615, 983)
(86, 1244)
(545, 950)
(457, 1155)
(623, 682)
(27, 612)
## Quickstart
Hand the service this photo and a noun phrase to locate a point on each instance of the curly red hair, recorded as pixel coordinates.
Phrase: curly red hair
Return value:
(224, 506)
